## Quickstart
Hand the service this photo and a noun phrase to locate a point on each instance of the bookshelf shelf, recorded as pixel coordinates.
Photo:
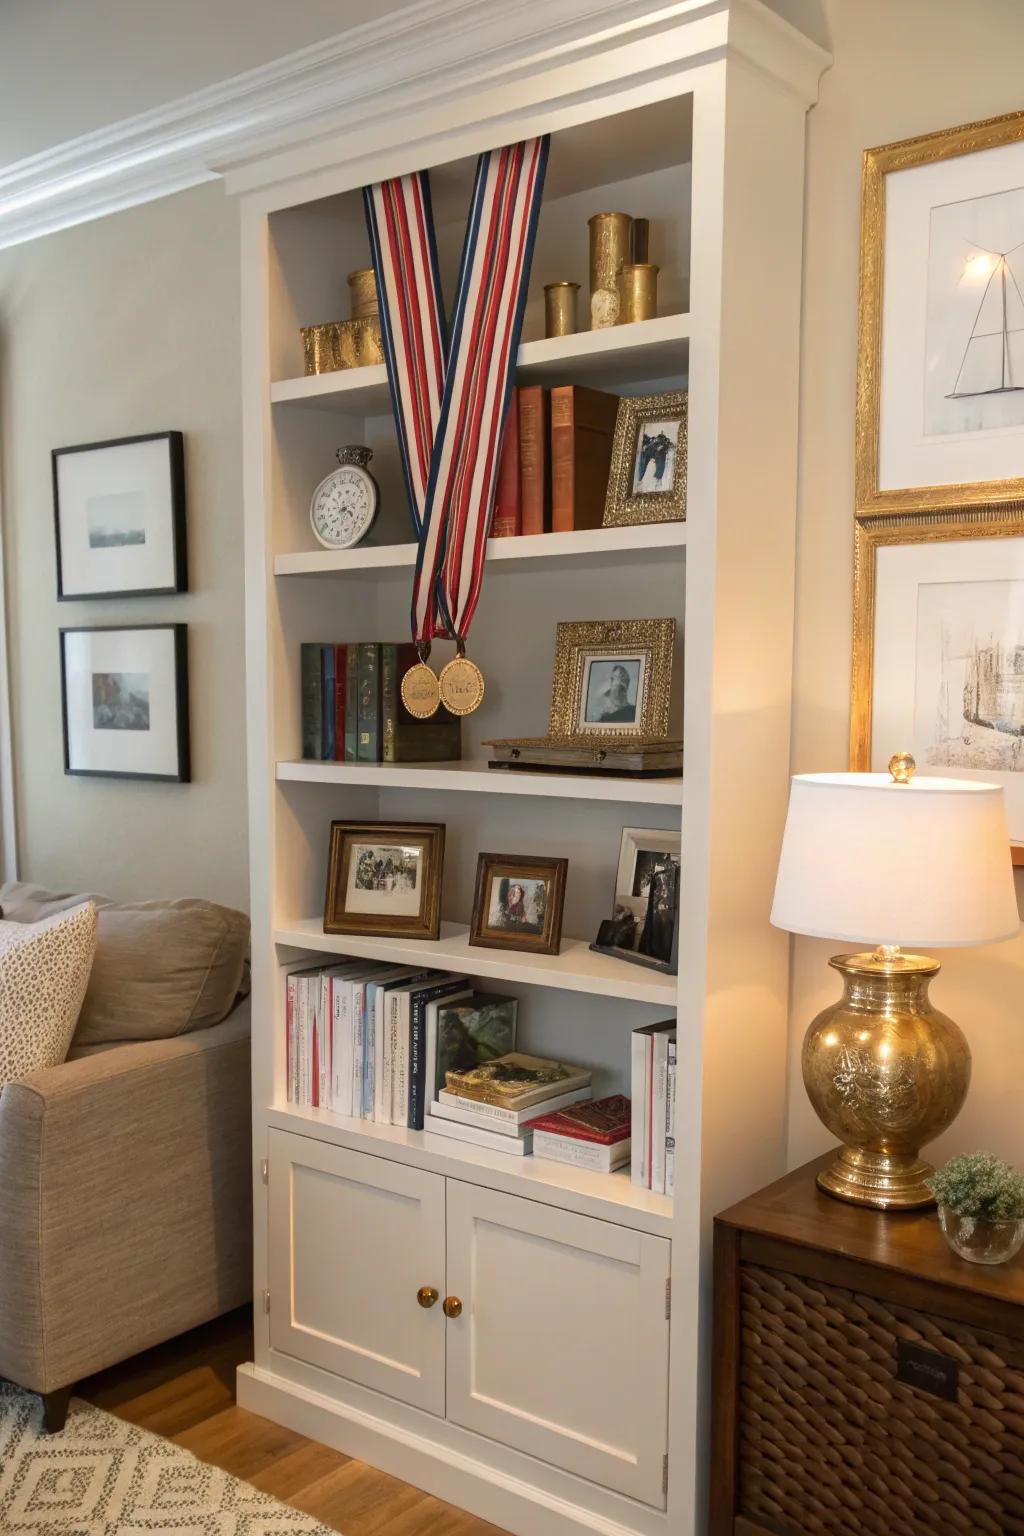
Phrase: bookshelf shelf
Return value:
(646, 349)
(576, 969)
(477, 778)
(608, 1196)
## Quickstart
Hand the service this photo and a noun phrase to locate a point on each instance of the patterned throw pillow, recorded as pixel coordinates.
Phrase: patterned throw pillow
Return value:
(44, 971)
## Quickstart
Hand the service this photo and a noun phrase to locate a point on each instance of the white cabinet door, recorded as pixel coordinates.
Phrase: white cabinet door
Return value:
(561, 1349)
(352, 1239)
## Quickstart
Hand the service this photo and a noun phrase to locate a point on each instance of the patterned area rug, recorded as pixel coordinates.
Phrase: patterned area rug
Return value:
(103, 1477)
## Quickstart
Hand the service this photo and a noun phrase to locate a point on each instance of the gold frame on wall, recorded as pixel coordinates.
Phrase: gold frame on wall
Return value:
(575, 642)
(909, 154)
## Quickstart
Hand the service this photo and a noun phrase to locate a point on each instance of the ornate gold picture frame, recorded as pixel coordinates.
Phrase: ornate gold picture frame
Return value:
(995, 641)
(942, 317)
(647, 478)
(613, 679)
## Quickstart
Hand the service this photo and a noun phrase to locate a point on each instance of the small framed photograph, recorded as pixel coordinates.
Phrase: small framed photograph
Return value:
(119, 514)
(613, 678)
(647, 480)
(385, 878)
(518, 903)
(644, 853)
(124, 699)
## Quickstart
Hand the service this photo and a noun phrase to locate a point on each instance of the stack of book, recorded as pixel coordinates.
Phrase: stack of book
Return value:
(492, 1104)
(556, 454)
(595, 1135)
(364, 1039)
(352, 710)
(653, 1062)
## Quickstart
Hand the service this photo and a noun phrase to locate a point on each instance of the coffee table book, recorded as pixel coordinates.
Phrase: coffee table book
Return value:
(594, 1135)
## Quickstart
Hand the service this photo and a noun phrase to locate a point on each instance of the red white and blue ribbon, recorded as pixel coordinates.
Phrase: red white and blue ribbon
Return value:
(450, 401)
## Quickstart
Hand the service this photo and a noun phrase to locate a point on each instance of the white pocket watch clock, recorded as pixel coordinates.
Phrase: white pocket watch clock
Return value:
(345, 502)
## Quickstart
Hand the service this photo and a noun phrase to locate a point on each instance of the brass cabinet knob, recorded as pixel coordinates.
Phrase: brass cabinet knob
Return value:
(426, 1295)
(451, 1306)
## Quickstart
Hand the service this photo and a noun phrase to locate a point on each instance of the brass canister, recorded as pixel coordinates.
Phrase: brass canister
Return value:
(369, 346)
(363, 285)
(609, 251)
(638, 291)
(560, 308)
(348, 343)
(321, 347)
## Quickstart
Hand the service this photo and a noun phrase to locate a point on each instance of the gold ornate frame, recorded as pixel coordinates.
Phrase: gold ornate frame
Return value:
(920, 527)
(575, 643)
(621, 509)
(906, 155)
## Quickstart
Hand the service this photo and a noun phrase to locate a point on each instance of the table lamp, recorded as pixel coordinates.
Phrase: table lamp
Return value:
(902, 864)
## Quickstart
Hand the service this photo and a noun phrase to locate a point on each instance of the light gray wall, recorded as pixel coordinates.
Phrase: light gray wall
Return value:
(123, 326)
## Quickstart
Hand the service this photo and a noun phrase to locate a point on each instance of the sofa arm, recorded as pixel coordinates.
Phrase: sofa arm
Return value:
(125, 1201)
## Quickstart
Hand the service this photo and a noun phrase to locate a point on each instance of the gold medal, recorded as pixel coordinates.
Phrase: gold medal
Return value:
(421, 693)
(462, 686)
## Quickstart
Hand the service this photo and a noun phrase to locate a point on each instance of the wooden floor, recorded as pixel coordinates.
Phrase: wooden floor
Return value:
(186, 1391)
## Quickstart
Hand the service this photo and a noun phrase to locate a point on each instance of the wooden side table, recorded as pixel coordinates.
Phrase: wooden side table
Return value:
(867, 1382)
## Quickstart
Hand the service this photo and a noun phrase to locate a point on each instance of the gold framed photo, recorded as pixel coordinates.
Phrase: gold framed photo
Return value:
(518, 903)
(647, 479)
(613, 679)
(938, 648)
(384, 878)
(940, 381)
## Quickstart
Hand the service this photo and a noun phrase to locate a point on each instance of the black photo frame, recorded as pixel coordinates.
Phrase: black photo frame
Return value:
(179, 741)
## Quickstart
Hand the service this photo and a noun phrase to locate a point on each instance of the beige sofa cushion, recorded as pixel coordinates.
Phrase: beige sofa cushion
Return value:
(44, 971)
(162, 968)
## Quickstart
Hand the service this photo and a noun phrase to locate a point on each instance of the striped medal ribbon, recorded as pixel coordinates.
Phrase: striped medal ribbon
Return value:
(451, 394)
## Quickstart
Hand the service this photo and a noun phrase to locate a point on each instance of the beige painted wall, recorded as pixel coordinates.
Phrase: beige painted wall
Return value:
(128, 325)
(900, 69)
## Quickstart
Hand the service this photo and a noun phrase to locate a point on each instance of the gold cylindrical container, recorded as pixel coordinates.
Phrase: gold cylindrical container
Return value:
(363, 285)
(638, 291)
(321, 347)
(560, 308)
(369, 346)
(348, 343)
(609, 251)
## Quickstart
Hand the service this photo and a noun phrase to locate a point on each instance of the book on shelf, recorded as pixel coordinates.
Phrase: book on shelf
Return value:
(507, 517)
(495, 1116)
(329, 707)
(534, 459)
(670, 1126)
(516, 1081)
(595, 1135)
(582, 431)
(368, 702)
(351, 704)
(649, 1059)
(479, 1136)
(311, 664)
(465, 1031)
(352, 709)
(442, 990)
(406, 739)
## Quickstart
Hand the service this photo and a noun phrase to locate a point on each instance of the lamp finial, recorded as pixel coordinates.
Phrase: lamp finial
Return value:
(902, 767)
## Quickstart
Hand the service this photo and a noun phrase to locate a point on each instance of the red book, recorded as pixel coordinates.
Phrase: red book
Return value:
(582, 431)
(534, 480)
(507, 520)
(340, 674)
(605, 1121)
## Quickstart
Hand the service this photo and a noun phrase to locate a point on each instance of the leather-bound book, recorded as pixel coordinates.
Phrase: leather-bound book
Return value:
(534, 481)
(507, 520)
(405, 738)
(582, 431)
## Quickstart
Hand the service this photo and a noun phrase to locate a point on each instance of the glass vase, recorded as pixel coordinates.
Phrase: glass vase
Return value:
(982, 1242)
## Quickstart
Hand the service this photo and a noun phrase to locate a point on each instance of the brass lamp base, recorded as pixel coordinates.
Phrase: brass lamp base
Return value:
(886, 1073)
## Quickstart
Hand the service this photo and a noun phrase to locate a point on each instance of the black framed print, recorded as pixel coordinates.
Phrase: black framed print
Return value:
(119, 517)
(124, 698)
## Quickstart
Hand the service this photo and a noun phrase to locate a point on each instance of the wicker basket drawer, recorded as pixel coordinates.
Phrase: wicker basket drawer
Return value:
(834, 1442)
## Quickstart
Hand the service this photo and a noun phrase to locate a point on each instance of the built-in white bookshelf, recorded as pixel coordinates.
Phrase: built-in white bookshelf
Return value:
(528, 1408)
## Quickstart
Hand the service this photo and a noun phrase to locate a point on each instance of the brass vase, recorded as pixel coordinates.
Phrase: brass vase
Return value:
(609, 250)
(886, 1072)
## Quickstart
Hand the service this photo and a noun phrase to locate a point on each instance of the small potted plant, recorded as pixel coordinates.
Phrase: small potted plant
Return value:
(981, 1207)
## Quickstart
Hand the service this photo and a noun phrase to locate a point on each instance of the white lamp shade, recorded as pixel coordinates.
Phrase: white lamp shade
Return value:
(922, 865)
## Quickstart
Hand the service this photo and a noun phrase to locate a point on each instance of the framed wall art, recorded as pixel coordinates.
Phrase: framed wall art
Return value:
(613, 678)
(119, 516)
(940, 388)
(385, 878)
(647, 479)
(518, 903)
(124, 701)
(938, 648)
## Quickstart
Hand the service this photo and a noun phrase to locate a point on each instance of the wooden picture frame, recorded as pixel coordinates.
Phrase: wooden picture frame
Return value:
(113, 711)
(612, 680)
(503, 919)
(119, 512)
(647, 477)
(384, 878)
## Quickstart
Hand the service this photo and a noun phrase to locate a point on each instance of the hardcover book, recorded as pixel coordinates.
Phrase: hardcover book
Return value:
(507, 518)
(516, 1081)
(368, 703)
(351, 703)
(469, 1032)
(496, 1117)
(534, 472)
(600, 1120)
(582, 431)
(516, 1146)
(327, 738)
(406, 739)
(312, 701)
(340, 693)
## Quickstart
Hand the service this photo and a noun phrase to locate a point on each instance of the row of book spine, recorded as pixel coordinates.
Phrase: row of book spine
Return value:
(653, 1130)
(555, 458)
(352, 710)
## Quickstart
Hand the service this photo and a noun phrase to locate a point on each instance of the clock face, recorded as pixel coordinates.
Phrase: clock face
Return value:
(343, 507)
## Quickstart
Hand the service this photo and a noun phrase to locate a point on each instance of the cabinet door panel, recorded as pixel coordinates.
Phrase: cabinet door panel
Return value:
(562, 1346)
(352, 1239)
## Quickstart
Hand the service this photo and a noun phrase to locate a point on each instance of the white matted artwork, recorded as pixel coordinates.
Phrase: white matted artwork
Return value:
(385, 879)
(948, 666)
(119, 511)
(125, 701)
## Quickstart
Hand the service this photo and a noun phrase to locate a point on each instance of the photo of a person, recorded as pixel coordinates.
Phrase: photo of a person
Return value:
(611, 691)
(654, 469)
(517, 906)
(385, 878)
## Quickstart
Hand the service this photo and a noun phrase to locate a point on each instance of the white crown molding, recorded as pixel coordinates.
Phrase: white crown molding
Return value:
(432, 49)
